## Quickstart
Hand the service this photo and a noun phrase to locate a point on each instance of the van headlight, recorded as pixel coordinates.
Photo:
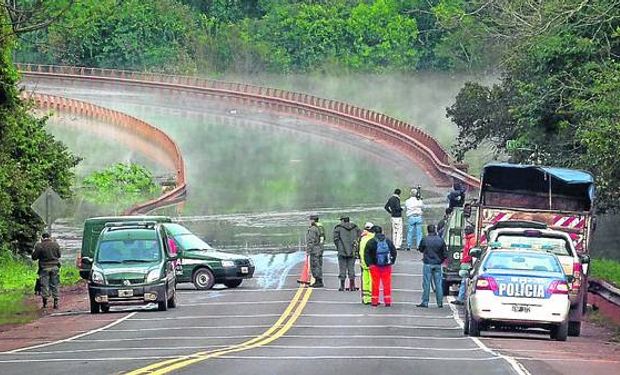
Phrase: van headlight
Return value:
(153, 275)
(228, 263)
(97, 277)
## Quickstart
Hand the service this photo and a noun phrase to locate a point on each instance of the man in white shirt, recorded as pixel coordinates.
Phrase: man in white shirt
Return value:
(414, 206)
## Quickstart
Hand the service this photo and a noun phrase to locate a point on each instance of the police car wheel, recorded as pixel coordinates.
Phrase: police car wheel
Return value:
(560, 332)
(474, 327)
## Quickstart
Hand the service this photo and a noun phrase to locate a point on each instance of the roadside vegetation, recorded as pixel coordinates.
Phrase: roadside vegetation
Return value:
(606, 269)
(17, 284)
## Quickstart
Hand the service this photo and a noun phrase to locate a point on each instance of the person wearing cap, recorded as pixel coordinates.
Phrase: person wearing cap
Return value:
(47, 252)
(366, 280)
(434, 253)
(346, 237)
(396, 215)
(314, 249)
(470, 243)
(414, 206)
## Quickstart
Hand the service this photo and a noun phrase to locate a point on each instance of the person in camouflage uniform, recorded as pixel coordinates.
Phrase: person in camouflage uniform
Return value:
(47, 252)
(314, 248)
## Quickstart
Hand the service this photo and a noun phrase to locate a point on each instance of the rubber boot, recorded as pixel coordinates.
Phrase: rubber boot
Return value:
(352, 285)
(318, 283)
(56, 303)
(44, 302)
(341, 286)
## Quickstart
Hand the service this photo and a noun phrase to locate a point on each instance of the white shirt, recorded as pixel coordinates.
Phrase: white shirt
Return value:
(414, 206)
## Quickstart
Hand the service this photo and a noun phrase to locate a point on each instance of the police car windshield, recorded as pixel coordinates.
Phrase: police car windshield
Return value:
(554, 245)
(521, 262)
(191, 242)
(126, 251)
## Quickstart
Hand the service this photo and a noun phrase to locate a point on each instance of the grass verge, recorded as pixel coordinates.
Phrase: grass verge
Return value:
(606, 269)
(17, 279)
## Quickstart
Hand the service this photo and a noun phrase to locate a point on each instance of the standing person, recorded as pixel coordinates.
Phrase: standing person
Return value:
(346, 239)
(366, 279)
(47, 252)
(396, 212)
(380, 254)
(314, 249)
(414, 206)
(470, 243)
(456, 197)
(434, 249)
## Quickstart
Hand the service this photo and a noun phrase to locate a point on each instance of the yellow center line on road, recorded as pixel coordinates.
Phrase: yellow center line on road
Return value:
(279, 328)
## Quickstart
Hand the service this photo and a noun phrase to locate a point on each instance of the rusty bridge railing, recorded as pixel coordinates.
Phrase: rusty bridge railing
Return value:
(157, 145)
(406, 138)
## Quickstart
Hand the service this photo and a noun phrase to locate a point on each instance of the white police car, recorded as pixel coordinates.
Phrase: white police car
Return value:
(521, 288)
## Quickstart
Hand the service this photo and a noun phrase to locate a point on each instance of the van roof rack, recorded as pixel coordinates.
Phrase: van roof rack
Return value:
(130, 224)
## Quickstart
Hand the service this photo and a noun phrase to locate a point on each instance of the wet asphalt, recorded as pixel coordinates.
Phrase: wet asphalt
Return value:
(333, 334)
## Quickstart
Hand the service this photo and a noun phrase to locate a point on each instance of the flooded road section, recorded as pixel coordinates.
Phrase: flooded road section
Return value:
(253, 177)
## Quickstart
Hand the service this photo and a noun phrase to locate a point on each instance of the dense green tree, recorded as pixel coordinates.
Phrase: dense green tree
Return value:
(128, 34)
(30, 158)
(556, 103)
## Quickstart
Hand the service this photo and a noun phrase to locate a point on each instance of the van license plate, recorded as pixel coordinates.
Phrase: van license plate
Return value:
(244, 270)
(523, 309)
(125, 293)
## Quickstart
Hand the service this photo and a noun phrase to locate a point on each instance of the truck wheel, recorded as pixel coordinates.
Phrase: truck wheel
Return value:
(172, 302)
(560, 333)
(203, 279)
(94, 306)
(574, 329)
(445, 287)
(105, 307)
(466, 323)
(163, 305)
(233, 283)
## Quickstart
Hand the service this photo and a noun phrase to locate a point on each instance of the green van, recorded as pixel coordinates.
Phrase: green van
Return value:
(93, 227)
(132, 265)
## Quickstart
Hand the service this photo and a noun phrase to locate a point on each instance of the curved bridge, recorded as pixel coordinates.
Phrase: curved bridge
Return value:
(411, 141)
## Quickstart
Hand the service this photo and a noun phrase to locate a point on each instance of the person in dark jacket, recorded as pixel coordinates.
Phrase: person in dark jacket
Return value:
(380, 273)
(47, 252)
(395, 210)
(434, 250)
(346, 239)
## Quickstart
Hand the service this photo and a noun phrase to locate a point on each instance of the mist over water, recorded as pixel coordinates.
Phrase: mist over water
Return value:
(254, 177)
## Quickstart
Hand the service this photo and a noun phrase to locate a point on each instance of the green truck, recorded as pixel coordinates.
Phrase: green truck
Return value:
(454, 238)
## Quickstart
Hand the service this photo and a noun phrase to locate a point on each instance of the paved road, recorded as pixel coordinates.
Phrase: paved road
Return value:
(276, 328)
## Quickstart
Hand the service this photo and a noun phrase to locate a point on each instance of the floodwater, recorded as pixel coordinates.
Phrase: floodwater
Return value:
(253, 178)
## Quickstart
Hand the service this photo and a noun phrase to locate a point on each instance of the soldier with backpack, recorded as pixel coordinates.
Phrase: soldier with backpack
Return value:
(380, 254)
(315, 238)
